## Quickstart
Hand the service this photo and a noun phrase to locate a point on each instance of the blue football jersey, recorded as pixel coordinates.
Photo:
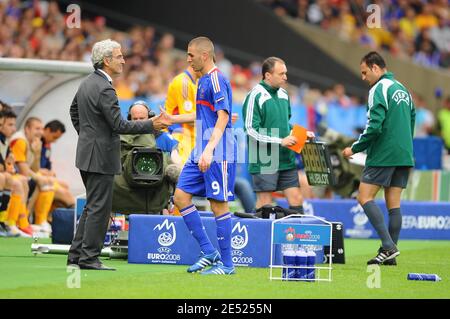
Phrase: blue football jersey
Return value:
(214, 94)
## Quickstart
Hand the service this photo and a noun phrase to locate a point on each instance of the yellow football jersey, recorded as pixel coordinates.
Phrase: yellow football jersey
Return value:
(181, 100)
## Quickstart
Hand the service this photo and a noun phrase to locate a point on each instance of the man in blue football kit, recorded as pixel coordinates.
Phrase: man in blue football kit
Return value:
(210, 170)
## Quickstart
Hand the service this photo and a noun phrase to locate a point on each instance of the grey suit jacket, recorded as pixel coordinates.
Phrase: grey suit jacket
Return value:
(95, 115)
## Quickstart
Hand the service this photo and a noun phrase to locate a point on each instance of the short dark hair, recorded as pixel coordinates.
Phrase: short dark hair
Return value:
(8, 114)
(269, 64)
(372, 58)
(55, 126)
(204, 44)
(5, 106)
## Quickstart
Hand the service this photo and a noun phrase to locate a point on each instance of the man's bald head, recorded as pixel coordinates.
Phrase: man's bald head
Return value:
(138, 112)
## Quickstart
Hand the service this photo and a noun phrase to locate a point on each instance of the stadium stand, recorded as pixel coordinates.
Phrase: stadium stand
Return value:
(37, 30)
(418, 30)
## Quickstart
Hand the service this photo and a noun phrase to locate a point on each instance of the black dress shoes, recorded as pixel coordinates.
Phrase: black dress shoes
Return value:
(96, 266)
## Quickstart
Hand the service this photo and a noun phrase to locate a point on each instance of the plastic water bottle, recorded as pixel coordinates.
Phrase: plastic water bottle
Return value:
(428, 277)
(311, 262)
(289, 260)
(301, 261)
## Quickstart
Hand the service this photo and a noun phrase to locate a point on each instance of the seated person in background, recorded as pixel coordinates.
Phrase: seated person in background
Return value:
(26, 147)
(53, 130)
(13, 187)
(129, 199)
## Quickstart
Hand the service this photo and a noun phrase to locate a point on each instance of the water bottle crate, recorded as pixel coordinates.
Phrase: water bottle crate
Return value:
(297, 247)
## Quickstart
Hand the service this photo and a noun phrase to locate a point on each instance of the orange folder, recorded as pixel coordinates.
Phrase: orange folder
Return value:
(300, 134)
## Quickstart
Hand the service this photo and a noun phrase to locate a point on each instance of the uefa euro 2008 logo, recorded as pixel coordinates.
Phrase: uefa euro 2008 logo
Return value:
(168, 237)
(240, 239)
(165, 239)
(290, 234)
(290, 237)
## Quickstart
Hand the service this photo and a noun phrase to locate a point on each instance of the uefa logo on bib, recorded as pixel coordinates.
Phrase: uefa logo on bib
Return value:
(169, 234)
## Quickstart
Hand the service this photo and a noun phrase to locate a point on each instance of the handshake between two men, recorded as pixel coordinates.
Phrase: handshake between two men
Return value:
(161, 121)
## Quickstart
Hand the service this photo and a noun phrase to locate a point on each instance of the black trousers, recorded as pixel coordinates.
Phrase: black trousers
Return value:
(93, 224)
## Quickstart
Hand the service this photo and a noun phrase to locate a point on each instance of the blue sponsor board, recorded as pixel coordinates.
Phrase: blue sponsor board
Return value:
(157, 239)
(421, 220)
(288, 233)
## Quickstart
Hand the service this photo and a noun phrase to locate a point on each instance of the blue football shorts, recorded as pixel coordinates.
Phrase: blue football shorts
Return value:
(216, 183)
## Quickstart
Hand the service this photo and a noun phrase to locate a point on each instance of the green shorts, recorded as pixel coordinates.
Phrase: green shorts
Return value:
(391, 176)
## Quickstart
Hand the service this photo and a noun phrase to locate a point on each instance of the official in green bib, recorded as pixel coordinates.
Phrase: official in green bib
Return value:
(266, 113)
(388, 142)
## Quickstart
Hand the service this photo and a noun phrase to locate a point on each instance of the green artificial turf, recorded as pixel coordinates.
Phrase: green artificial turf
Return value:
(23, 275)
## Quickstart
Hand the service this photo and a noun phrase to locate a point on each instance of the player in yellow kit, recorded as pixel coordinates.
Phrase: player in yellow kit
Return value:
(181, 101)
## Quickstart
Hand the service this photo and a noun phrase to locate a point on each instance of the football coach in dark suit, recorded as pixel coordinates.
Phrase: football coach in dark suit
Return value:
(95, 114)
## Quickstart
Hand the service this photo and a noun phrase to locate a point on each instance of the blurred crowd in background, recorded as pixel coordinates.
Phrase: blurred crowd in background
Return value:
(418, 29)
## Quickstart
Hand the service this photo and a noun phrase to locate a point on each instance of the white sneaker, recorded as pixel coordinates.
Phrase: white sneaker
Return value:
(41, 234)
(6, 232)
(45, 227)
(35, 228)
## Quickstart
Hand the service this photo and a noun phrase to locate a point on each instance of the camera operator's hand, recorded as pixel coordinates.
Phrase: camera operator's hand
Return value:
(288, 141)
(347, 152)
(161, 121)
